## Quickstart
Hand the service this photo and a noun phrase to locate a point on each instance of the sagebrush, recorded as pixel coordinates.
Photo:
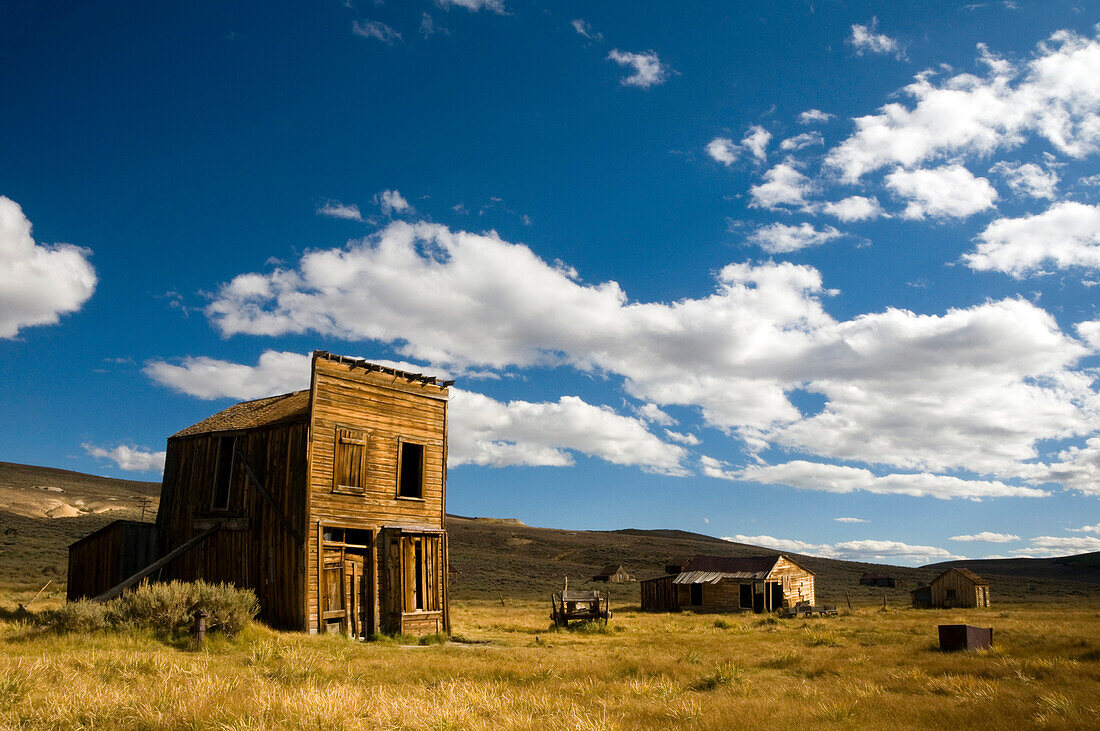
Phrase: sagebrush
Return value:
(165, 608)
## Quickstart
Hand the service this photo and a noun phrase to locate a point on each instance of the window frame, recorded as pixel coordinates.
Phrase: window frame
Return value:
(401, 444)
(221, 506)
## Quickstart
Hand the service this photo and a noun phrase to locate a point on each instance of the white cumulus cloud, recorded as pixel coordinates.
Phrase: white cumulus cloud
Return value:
(756, 141)
(129, 457)
(812, 116)
(1056, 95)
(723, 150)
(783, 185)
(973, 388)
(780, 238)
(391, 202)
(948, 191)
(1065, 235)
(38, 283)
(1028, 179)
(854, 208)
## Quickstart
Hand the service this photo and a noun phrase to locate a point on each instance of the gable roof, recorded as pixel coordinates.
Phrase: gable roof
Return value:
(609, 570)
(251, 414)
(730, 565)
(967, 574)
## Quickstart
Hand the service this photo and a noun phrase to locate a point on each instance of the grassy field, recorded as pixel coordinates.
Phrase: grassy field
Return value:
(507, 668)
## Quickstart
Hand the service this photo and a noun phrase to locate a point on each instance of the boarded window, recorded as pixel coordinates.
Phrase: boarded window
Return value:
(223, 473)
(951, 594)
(349, 462)
(410, 470)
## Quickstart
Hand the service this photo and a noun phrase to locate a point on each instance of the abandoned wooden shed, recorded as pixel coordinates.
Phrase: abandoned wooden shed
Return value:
(956, 587)
(328, 503)
(107, 557)
(614, 574)
(724, 584)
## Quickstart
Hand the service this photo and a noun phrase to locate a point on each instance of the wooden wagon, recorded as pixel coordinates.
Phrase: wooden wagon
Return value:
(586, 606)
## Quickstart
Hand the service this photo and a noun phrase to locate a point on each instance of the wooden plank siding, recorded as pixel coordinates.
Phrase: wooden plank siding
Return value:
(254, 548)
(107, 557)
(386, 410)
(953, 589)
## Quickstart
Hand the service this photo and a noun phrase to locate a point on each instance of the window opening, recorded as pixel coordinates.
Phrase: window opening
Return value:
(696, 595)
(410, 480)
(223, 474)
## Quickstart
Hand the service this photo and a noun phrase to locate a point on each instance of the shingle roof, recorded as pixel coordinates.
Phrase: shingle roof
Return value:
(966, 573)
(251, 414)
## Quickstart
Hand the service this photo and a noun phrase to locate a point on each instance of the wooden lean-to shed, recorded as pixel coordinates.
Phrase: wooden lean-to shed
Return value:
(110, 555)
(724, 584)
(328, 503)
(959, 587)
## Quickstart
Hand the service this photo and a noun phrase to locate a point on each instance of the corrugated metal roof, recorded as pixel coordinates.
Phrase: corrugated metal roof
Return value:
(713, 577)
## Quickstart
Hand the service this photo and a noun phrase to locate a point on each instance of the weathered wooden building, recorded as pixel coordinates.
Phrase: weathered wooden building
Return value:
(723, 584)
(879, 580)
(955, 587)
(614, 574)
(328, 503)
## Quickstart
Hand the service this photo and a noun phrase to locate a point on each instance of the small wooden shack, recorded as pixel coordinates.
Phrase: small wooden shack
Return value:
(879, 580)
(959, 587)
(724, 584)
(613, 574)
(328, 503)
(111, 554)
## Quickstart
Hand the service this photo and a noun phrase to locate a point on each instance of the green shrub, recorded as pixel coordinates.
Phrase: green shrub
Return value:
(166, 608)
(78, 616)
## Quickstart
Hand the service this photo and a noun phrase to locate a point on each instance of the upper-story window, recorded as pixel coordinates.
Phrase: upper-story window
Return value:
(223, 473)
(410, 470)
(349, 461)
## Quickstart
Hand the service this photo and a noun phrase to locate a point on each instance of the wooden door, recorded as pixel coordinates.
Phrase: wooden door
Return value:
(333, 594)
(358, 597)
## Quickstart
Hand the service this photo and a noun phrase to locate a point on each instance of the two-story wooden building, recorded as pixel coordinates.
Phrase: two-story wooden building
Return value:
(329, 503)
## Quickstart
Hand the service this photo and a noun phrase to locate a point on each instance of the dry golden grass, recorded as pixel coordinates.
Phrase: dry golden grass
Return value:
(509, 669)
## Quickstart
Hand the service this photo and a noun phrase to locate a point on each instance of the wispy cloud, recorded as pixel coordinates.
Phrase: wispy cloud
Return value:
(584, 28)
(336, 209)
(779, 238)
(391, 202)
(863, 550)
(647, 68)
(987, 537)
(495, 6)
(375, 29)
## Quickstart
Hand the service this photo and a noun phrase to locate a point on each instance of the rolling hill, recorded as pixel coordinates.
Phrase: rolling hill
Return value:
(43, 510)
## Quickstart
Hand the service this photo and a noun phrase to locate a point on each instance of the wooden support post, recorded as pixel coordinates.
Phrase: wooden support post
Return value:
(884, 600)
(849, 598)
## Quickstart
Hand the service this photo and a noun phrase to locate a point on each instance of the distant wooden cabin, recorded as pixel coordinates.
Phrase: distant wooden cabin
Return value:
(614, 574)
(955, 587)
(723, 584)
(328, 503)
(879, 580)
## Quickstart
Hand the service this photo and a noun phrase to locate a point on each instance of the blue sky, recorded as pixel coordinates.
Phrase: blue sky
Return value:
(814, 275)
